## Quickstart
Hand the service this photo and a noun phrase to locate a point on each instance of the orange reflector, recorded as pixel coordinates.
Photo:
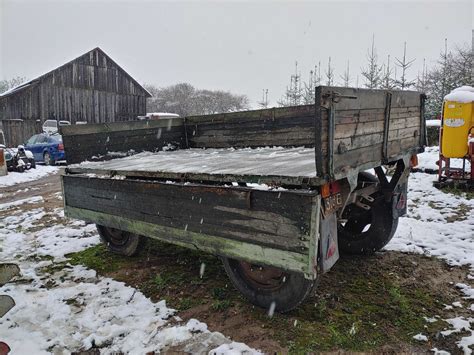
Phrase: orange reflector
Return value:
(330, 188)
(326, 190)
(414, 160)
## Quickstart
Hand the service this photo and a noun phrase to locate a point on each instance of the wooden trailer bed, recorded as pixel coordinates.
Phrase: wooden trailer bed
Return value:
(347, 131)
(175, 185)
(273, 166)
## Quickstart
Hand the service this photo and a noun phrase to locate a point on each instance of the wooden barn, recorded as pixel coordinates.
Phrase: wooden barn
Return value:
(91, 88)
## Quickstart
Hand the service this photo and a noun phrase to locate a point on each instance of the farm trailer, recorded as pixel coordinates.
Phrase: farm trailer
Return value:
(276, 193)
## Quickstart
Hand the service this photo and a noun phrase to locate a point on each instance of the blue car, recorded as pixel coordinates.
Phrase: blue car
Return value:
(46, 148)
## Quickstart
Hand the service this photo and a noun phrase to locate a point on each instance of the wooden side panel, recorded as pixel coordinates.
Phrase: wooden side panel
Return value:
(366, 128)
(268, 219)
(286, 126)
(106, 141)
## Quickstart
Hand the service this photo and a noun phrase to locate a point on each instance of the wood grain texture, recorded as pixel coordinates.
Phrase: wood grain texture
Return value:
(359, 116)
(91, 88)
(285, 126)
(276, 219)
(208, 243)
(358, 135)
(106, 141)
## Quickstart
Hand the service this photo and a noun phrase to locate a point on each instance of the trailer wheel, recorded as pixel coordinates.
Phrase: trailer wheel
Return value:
(366, 232)
(121, 242)
(264, 285)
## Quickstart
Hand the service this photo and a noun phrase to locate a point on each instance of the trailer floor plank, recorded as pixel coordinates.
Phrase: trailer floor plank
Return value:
(263, 165)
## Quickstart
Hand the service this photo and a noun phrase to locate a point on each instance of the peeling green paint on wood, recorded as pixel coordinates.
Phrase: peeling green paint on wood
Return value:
(207, 243)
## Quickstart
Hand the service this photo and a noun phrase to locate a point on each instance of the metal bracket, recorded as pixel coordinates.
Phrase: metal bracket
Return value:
(334, 97)
(331, 133)
(362, 205)
(386, 126)
(400, 176)
(328, 101)
(423, 134)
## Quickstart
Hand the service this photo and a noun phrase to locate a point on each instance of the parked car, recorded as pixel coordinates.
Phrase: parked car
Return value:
(47, 148)
(51, 126)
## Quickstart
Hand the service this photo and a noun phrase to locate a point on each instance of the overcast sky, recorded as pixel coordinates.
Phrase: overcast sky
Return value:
(237, 46)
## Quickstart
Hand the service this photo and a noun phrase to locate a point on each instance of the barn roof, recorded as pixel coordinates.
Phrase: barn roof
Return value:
(23, 86)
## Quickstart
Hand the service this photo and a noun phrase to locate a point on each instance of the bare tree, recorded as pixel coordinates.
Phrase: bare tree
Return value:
(185, 100)
(346, 78)
(372, 72)
(329, 74)
(6, 85)
(451, 71)
(264, 102)
(404, 64)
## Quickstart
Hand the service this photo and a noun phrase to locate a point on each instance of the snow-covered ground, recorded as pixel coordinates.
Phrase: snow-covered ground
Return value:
(14, 178)
(440, 225)
(428, 160)
(69, 308)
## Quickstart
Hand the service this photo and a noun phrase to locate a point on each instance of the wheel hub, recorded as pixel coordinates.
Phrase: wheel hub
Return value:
(263, 277)
(117, 236)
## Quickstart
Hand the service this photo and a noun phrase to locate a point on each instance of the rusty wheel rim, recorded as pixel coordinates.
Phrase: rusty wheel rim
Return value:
(117, 236)
(263, 277)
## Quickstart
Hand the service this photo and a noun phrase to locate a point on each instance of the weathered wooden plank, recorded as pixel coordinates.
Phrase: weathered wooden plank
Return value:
(84, 142)
(246, 116)
(208, 243)
(285, 127)
(277, 219)
(121, 126)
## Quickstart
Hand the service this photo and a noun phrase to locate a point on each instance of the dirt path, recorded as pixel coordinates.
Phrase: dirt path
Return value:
(45, 186)
(364, 304)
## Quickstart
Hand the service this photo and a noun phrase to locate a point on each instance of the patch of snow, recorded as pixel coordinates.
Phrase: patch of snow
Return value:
(16, 203)
(14, 178)
(467, 290)
(72, 308)
(420, 337)
(464, 94)
(60, 240)
(463, 88)
(440, 352)
(436, 225)
(234, 348)
(296, 161)
(428, 159)
(433, 123)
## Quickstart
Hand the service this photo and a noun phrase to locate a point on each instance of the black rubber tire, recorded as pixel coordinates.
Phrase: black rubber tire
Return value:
(47, 159)
(294, 290)
(32, 163)
(352, 238)
(130, 244)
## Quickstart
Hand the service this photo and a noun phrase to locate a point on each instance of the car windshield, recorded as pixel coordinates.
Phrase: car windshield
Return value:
(50, 124)
(32, 140)
(41, 139)
(56, 138)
